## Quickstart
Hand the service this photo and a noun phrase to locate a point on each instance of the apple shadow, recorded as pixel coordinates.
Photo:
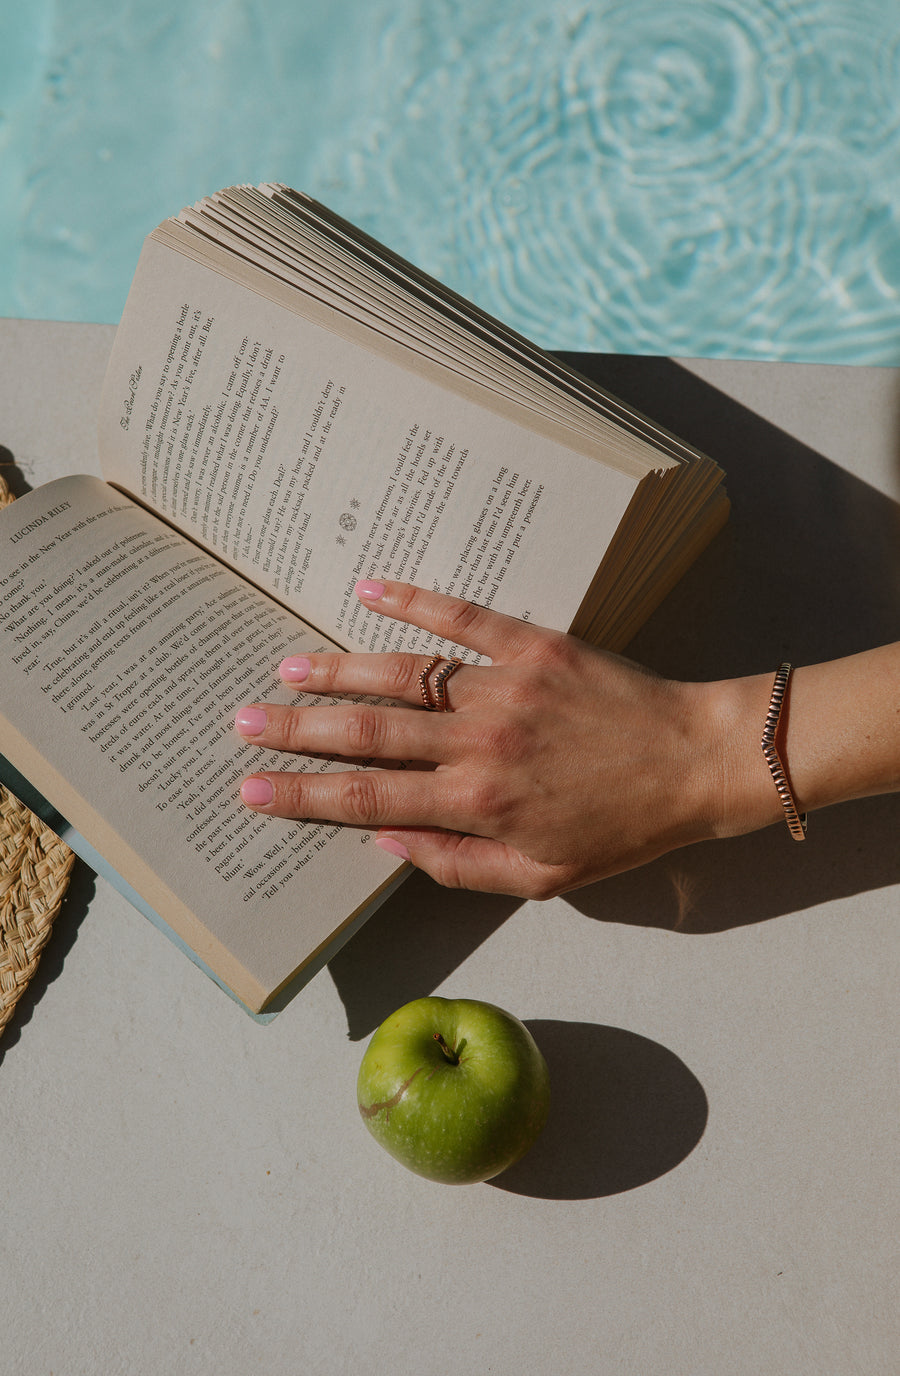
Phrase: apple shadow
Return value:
(623, 1111)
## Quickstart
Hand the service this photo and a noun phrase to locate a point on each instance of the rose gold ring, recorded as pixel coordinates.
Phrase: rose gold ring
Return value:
(440, 684)
(424, 689)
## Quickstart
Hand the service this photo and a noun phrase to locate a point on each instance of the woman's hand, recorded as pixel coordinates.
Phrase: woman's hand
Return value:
(554, 766)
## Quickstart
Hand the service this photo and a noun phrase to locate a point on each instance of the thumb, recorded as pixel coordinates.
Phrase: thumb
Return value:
(471, 862)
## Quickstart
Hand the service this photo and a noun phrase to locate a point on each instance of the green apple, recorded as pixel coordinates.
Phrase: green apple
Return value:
(455, 1089)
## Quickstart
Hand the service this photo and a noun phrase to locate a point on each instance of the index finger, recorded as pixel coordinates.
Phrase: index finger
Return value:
(397, 676)
(503, 638)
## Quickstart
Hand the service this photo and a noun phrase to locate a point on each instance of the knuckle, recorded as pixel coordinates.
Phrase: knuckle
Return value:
(362, 730)
(291, 730)
(549, 879)
(328, 673)
(291, 793)
(360, 798)
(554, 650)
(446, 872)
(449, 867)
(401, 676)
(406, 596)
(543, 887)
(508, 742)
(490, 801)
(460, 617)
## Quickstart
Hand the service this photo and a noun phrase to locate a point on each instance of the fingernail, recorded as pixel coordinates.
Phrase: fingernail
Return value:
(294, 669)
(257, 792)
(393, 847)
(250, 721)
(369, 590)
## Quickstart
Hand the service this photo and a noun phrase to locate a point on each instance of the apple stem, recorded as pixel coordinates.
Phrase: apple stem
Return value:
(451, 1055)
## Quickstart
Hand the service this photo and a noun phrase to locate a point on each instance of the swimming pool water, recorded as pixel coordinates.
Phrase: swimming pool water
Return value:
(705, 177)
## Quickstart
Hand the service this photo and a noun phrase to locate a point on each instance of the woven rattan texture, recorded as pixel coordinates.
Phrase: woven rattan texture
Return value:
(34, 874)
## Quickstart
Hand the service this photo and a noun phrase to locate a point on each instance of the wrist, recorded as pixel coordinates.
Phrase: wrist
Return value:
(838, 739)
(735, 789)
(843, 734)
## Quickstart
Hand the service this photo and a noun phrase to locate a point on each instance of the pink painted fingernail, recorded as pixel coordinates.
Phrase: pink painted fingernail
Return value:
(369, 590)
(393, 847)
(250, 721)
(257, 792)
(294, 669)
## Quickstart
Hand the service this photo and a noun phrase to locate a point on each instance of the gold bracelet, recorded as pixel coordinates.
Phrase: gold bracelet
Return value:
(796, 823)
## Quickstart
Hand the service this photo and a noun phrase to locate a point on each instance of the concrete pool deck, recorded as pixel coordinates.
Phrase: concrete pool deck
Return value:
(186, 1191)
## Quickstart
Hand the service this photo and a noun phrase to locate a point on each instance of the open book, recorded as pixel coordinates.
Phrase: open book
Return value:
(289, 407)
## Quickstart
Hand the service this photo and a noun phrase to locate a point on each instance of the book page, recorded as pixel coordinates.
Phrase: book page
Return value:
(124, 652)
(307, 462)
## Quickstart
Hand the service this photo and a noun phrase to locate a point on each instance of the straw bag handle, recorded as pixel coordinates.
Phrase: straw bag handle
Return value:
(35, 866)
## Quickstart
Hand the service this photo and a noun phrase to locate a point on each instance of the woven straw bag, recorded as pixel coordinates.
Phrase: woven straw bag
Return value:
(35, 866)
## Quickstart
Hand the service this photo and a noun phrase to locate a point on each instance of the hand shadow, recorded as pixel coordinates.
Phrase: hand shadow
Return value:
(409, 947)
(807, 569)
(623, 1111)
(725, 884)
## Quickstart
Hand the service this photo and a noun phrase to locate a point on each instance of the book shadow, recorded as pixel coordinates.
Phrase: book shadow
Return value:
(50, 966)
(623, 1111)
(807, 569)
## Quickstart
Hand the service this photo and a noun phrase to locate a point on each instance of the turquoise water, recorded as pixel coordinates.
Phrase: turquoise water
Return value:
(706, 177)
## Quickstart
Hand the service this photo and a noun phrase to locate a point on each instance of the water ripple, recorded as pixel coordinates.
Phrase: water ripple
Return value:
(693, 93)
(672, 181)
(715, 177)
